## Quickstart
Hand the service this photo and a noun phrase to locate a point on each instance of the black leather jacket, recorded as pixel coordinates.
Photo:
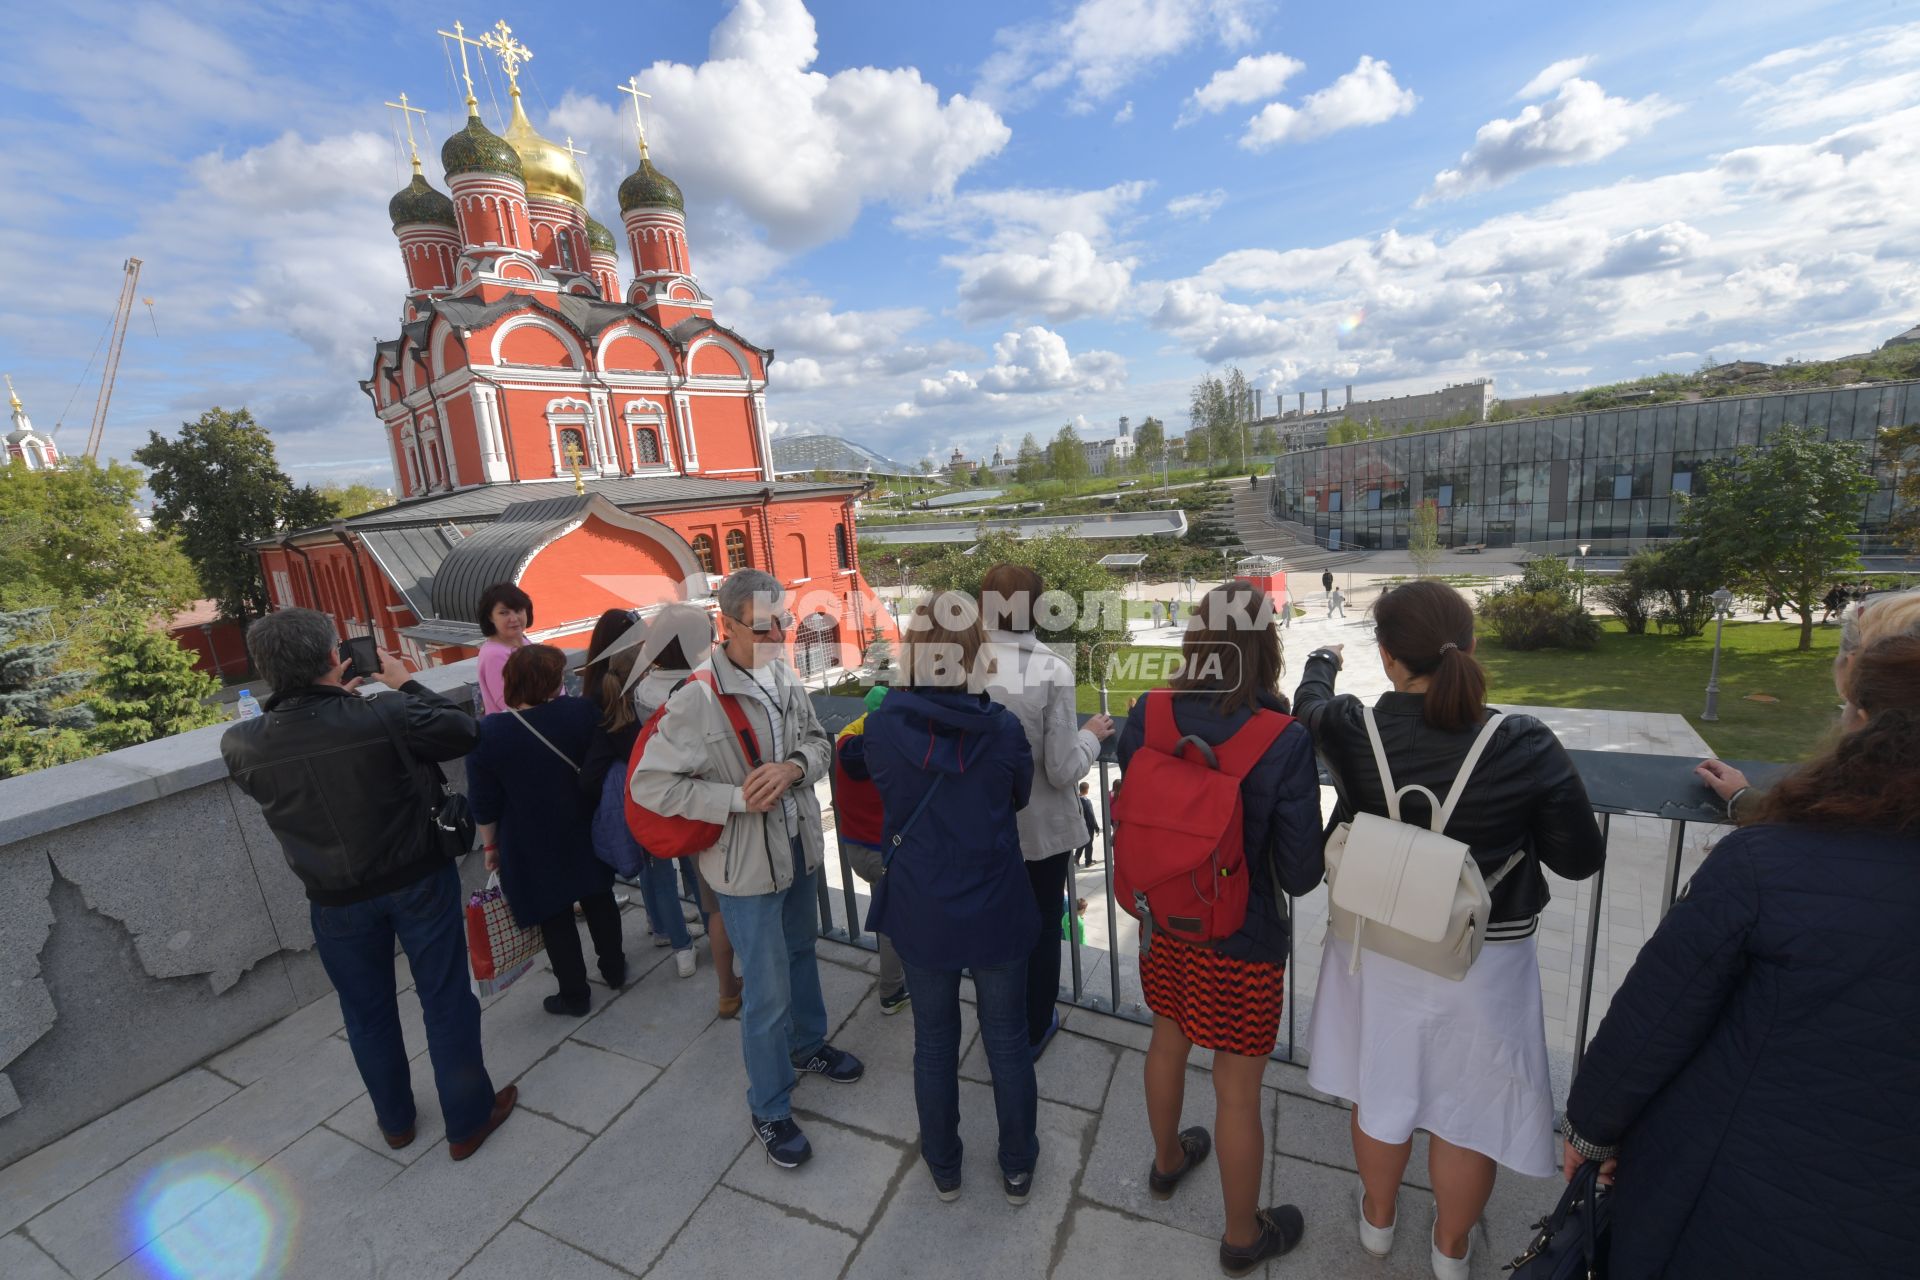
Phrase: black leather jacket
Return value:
(350, 821)
(1524, 793)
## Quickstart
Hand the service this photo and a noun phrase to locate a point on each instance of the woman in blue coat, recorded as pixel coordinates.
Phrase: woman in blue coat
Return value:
(952, 769)
(1758, 1073)
(537, 828)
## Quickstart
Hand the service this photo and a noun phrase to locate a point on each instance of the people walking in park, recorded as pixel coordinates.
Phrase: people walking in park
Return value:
(680, 638)
(523, 781)
(1092, 820)
(505, 613)
(1037, 685)
(859, 816)
(346, 785)
(1227, 997)
(1748, 1065)
(953, 767)
(1336, 603)
(759, 786)
(1326, 581)
(1464, 1060)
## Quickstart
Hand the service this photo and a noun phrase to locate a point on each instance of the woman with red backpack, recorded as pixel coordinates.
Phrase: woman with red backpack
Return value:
(1222, 989)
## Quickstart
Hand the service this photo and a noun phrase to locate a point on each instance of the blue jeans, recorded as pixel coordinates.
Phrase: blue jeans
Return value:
(660, 895)
(1001, 993)
(783, 1015)
(356, 948)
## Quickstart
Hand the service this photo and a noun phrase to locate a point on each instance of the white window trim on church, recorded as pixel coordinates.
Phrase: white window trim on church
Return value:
(570, 413)
(646, 414)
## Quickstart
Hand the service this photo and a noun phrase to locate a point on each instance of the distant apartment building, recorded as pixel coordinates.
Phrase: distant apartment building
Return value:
(1102, 454)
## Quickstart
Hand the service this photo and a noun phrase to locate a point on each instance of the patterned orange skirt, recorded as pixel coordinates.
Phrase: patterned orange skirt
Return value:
(1218, 1002)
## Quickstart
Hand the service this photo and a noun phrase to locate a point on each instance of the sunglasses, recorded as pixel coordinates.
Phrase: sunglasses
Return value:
(780, 622)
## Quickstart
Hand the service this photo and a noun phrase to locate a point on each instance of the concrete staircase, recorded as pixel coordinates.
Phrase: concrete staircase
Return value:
(1260, 534)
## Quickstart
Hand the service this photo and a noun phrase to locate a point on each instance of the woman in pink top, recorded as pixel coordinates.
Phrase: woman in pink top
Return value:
(505, 614)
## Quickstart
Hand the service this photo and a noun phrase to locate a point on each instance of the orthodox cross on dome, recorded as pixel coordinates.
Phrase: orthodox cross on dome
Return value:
(12, 394)
(459, 33)
(573, 460)
(407, 113)
(573, 151)
(510, 52)
(632, 86)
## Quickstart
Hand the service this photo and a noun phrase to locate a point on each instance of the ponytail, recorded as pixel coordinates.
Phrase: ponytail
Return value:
(1428, 627)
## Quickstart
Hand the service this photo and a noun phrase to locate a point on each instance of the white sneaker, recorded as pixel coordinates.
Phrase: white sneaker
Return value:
(683, 962)
(1377, 1241)
(1445, 1268)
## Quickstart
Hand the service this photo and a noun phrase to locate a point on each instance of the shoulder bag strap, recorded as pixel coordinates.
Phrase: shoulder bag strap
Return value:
(736, 717)
(1380, 762)
(1459, 787)
(1163, 732)
(543, 737)
(1241, 752)
(408, 760)
(925, 798)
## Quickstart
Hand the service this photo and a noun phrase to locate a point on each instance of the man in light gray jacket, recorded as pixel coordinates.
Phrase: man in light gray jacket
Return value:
(762, 870)
(1037, 685)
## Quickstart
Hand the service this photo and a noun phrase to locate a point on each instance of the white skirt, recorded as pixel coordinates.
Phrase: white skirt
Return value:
(1466, 1061)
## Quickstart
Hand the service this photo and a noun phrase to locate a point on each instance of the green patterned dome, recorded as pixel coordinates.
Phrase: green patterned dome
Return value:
(648, 186)
(478, 149)
(600, 240)
(420, 202)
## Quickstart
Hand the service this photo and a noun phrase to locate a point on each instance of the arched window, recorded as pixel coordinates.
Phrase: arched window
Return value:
(736, 550)
(646, 447)
(564, 243)
(703, 551)
(573, 448)
(840, 557)
(817, 645)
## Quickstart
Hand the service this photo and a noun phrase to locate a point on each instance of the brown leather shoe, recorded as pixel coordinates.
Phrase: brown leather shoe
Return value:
(729, 1007)
(399, 1141)
(503, 1103)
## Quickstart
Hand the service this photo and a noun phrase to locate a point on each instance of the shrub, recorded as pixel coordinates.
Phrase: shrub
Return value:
(1522, 619)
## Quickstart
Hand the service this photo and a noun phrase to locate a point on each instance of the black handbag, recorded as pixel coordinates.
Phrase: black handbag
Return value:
(450, 825)
(1572, 1241)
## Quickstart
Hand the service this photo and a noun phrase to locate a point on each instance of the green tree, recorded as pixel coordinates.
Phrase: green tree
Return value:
(1150, 441)
(1066, 459)
(24, 749)
(879, 650)
(34, 688)
(218, 487)
(69, 535)
(1031, 461)
(1267, 442)
(1900, 450)
(1423, 537)
(1066, 564)
(146, 687)
(1782, 516)
(355, 499)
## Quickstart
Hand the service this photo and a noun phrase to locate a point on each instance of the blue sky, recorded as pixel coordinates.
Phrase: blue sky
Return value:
(958, 224)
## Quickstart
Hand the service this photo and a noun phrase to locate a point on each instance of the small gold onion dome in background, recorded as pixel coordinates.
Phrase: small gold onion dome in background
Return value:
(549, 169)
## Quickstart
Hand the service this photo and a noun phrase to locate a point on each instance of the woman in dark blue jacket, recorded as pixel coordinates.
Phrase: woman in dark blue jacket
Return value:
(536, 827)
(1758, 1073)
(952, 769)
(1227, 996)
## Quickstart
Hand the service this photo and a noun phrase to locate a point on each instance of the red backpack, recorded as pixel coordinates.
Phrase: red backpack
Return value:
(665, 835)
(1179, 856)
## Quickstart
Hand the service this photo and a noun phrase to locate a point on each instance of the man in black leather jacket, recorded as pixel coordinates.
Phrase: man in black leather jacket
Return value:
(353, 825)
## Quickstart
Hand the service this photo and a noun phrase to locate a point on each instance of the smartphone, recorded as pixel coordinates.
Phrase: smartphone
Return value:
(363, 653)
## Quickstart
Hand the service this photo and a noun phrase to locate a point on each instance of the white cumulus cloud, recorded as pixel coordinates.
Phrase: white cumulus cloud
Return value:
(1579, 124)
(1026, 361)
(1552, 77)
(1101, 45)
(1254, 78)
(1065, 282)
(1366, 95)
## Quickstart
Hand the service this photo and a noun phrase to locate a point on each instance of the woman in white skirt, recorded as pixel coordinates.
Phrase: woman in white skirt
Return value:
(1466, 1061)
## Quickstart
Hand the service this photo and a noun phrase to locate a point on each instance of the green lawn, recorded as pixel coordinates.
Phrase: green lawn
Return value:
(1662, 673)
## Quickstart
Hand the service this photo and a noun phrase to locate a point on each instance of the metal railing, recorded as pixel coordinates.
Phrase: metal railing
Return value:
(1619, 784)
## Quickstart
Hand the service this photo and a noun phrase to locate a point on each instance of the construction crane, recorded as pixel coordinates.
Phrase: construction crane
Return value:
(127, 287)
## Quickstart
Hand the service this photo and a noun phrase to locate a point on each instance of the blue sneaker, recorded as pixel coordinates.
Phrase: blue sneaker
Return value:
(786, 1145)
(836, 1065)
(1018, 1186)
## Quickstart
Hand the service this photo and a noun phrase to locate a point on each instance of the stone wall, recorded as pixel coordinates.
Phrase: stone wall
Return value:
(147, 921)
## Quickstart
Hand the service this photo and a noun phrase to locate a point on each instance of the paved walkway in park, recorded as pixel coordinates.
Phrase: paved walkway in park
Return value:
(630, 1156)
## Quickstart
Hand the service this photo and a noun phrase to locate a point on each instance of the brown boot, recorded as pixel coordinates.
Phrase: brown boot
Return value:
(503, 1103)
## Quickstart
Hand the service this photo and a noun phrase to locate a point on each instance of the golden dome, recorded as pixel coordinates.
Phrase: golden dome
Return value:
(550, 169)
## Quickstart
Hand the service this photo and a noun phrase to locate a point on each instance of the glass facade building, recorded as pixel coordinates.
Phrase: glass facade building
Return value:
(1606, 478)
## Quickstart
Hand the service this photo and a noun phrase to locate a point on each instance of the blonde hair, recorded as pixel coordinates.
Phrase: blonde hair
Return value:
(616, 708)
(1872, 620)
(940, 643)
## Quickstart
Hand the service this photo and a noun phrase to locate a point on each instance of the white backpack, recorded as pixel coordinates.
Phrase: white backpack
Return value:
(1408, 892)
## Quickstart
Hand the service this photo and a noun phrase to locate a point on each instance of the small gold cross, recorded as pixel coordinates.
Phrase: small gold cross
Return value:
(510, 51)
(632, 86)
(460, 33)
(407, 113)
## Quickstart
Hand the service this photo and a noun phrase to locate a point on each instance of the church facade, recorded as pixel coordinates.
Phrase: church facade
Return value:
(600, 442)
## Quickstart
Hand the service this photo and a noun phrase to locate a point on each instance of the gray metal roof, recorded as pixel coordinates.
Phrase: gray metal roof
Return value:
(411, 557)
(486, 502)
(497, 552)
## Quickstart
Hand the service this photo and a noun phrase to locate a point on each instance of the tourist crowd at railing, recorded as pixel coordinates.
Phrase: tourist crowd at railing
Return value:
(1747, 1100)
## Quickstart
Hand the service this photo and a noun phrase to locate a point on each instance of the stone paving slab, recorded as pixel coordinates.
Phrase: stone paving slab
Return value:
(22, 1259)
(1103, 1245)
(844, 1184)
(584, 1087)
(521, 1253)
(1074, 1070)
(734, 1235)
(294, 1036)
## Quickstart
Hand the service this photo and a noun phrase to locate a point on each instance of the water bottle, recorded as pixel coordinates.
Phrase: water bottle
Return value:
(247, 707)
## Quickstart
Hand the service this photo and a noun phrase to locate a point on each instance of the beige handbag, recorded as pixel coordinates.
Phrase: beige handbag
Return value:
(1409, 892)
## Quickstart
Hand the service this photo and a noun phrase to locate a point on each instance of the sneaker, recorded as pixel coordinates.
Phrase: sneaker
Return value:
(786, 1145)
(1281, 1227)
(1046, 1037)
(1197, 1143)
(1018, 1186)
(949, 1191)
(892, 1004)
(1377, 1241)
(836, 1065)
(1446, 1268)
(683, 962)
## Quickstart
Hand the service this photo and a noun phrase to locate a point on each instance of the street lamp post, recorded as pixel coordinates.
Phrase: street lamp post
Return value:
(1722, 601)
(1583, 573)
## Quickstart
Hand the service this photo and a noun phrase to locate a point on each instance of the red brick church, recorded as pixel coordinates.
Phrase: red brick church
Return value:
(600, 446)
